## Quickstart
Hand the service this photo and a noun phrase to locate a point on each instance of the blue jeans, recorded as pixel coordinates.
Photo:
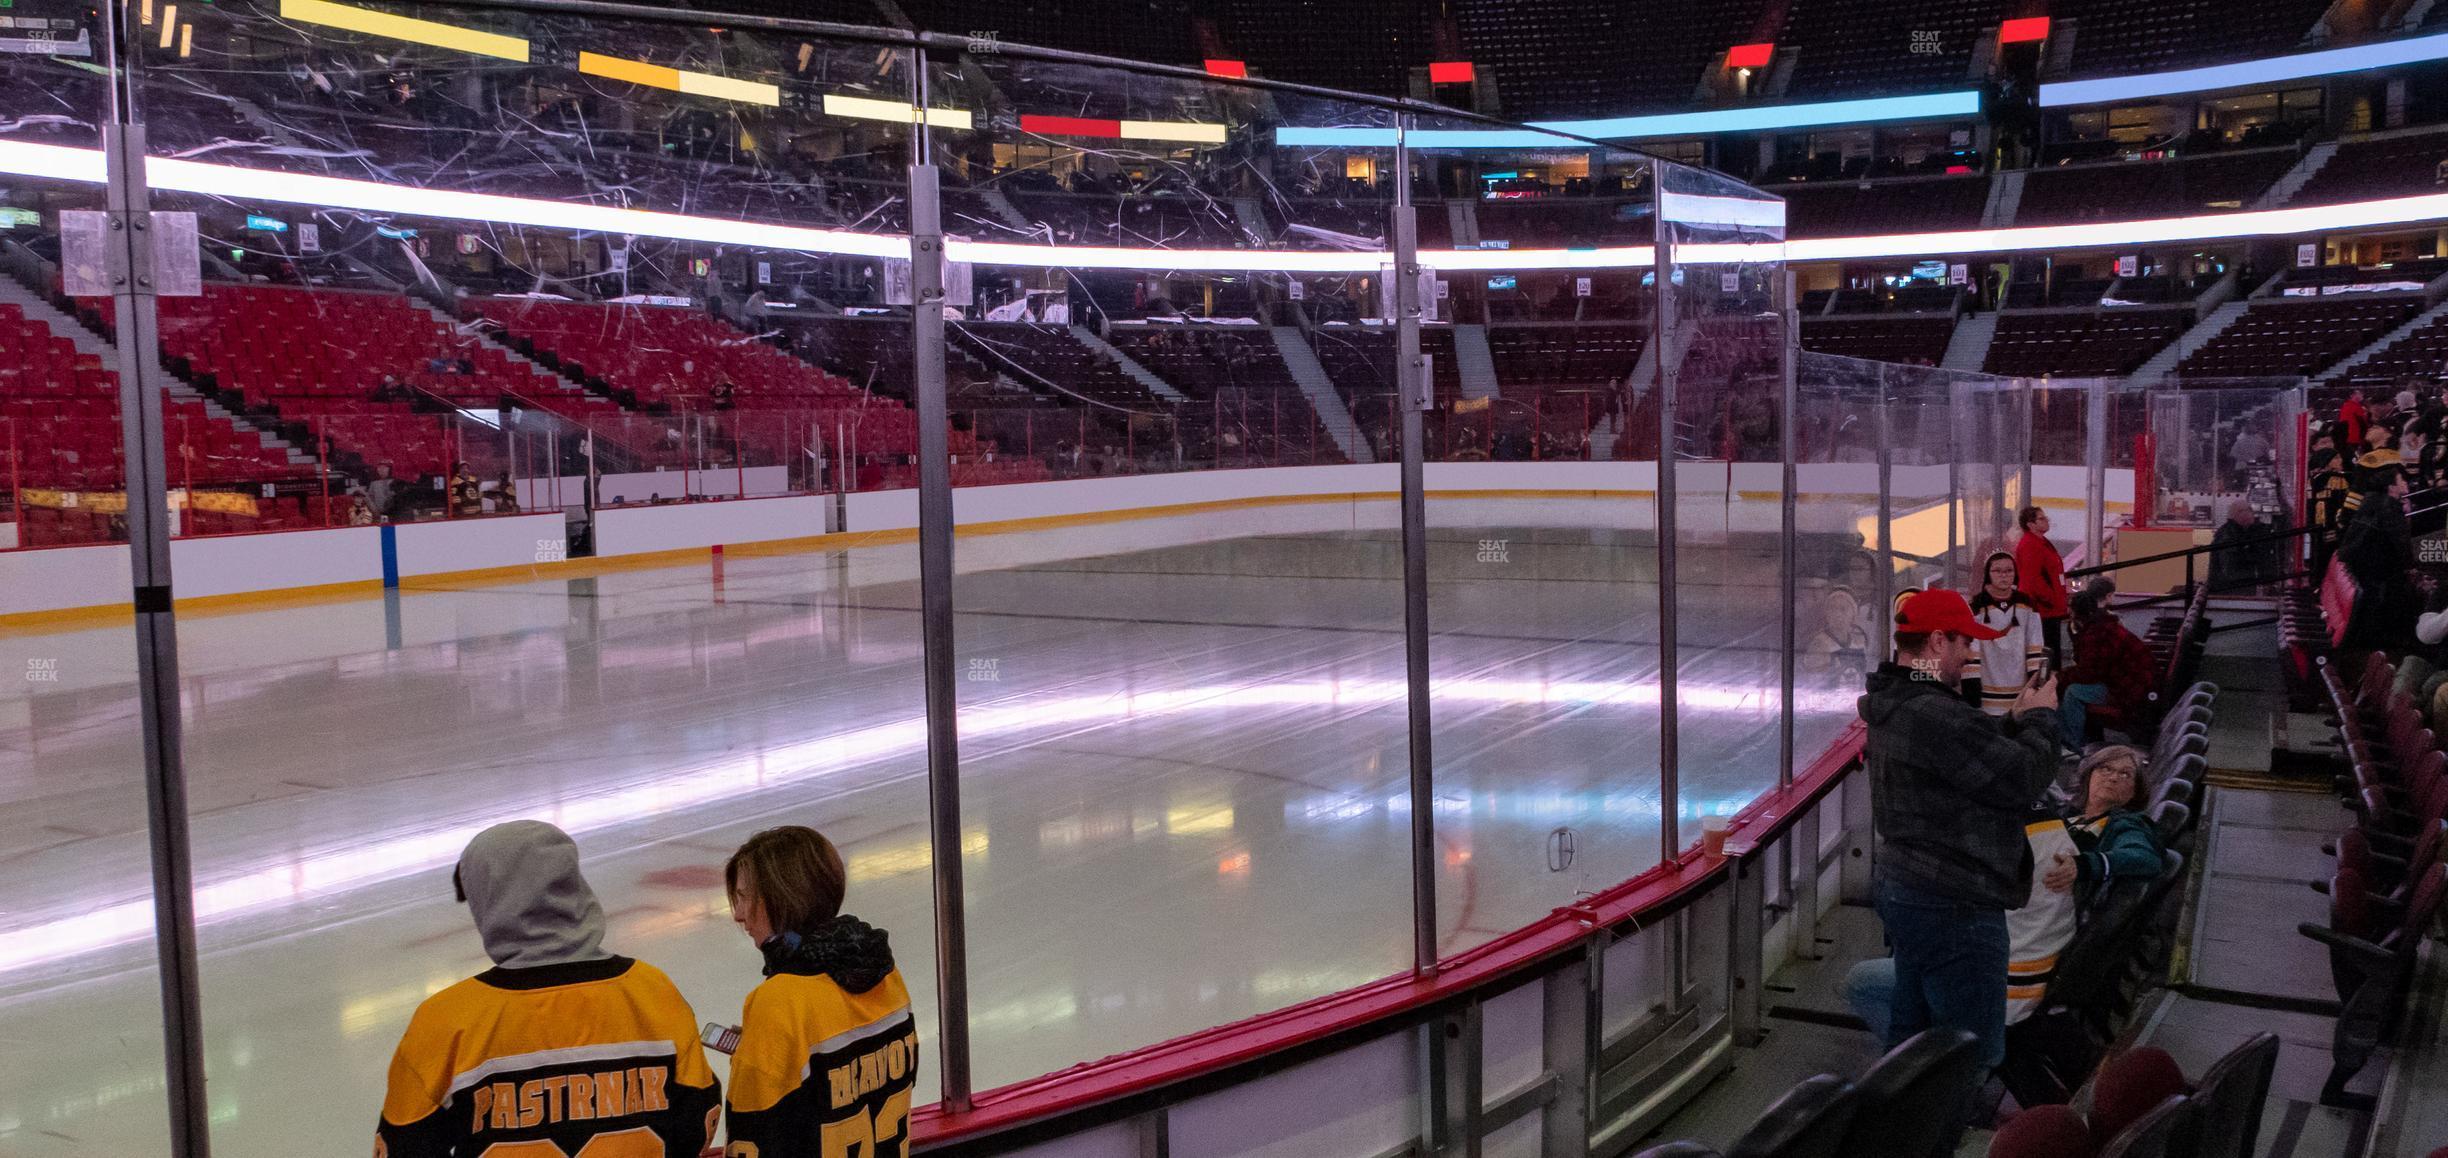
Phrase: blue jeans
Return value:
(1869, 991)
(2074, 706)
(1950, 967)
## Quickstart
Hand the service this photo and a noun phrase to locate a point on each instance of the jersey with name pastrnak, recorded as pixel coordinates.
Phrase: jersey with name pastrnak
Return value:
(597, 1059)
(822, 1072)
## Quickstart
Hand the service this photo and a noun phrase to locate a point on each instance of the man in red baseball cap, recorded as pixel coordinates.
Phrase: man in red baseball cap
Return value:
(1949, 789)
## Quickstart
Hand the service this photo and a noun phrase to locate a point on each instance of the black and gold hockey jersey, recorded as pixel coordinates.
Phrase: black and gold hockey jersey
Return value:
(828, 1052)
(594, 1059)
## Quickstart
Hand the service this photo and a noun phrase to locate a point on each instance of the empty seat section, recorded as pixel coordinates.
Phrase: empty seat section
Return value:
(60, 436)
(1240, 376)
(2365, 170)
(2129, 189)
(668, 359)
(2284, 337)
(2118, 37)
(1883, 47)
(1572, 374)
(1854, 209)
(1588, 58)
(2421, 353)
(2082, 344)
(1906, 338)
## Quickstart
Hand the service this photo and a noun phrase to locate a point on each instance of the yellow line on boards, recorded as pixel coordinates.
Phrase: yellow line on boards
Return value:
(71, 618)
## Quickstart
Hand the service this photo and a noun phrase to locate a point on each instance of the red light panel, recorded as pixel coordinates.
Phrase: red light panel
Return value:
(1749, 55)
(1070, 126)
(2029, 28)
(1451, 72)
(1232, 68)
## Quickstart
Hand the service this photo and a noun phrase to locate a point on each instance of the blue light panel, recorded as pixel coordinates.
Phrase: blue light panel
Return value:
(1921, 107)
(2244, 74)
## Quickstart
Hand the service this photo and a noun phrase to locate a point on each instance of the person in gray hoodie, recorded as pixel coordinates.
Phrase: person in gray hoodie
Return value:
(1949, 789)
(561, 1042)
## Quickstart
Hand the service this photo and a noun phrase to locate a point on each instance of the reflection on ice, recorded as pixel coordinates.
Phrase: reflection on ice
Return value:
(320, 876)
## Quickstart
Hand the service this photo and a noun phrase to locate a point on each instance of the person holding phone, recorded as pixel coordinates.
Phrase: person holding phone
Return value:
(1949, 789)
(2104, 840)
(828, 1052)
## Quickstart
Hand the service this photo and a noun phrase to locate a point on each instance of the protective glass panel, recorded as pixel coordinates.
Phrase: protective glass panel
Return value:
(1840, 629)
(1725, 348)
(497, 290)
(2219, 467)
(79, 991)
(1541, 549)
(1179, 673)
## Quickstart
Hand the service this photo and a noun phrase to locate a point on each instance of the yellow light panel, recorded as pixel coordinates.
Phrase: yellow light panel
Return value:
(169, 23)
(706, 84)
(633, 71)
(1190, 131)
(679, 80)
(871, 109)
(408, 28)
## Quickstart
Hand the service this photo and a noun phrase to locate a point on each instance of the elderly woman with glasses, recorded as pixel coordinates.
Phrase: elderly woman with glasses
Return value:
(2101, 839)
(2113, 840)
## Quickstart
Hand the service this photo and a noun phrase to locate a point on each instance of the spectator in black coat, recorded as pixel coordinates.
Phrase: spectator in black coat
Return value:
(2242, 557)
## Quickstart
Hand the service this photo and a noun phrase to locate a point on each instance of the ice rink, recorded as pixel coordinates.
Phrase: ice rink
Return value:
(1184, 779)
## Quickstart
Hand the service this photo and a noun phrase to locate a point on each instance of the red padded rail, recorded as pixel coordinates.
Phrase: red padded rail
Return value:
(1184, 1058)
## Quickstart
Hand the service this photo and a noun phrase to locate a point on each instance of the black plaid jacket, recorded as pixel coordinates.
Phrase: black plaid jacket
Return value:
(1949, 786)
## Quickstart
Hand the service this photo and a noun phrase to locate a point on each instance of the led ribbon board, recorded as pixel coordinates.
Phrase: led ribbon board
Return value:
(2244, 74)
(84, 166)
(1193, 132)
(1922, 107)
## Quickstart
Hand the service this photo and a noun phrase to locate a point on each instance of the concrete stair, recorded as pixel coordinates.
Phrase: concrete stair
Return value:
(1003, 209)
(1602, 437)
(2163, 362)
(2293, 180)
(2005, 199)
(547, 381)
(1310, 373)
(1969, 346)
(1252, 217)
(1462, 218)
(1130, 366)
(1476, 363)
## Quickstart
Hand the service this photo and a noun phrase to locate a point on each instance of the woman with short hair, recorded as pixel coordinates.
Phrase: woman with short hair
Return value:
(2003, 665)
(828, 1052)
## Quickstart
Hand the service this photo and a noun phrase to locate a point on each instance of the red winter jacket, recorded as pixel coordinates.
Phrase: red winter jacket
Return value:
(2040, 575)
(2106, 653)
(2354, 417)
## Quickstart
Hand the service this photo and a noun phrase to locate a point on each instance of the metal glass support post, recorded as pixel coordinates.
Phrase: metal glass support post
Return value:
(1803, 885)
(1416, 392)
(935, 607)
(2095, 468)
(1746, 942)
(1957, 511)
(1569, 1047)
(1884, 640)
(1662, 317)
(130, 258)
(1788, 506)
